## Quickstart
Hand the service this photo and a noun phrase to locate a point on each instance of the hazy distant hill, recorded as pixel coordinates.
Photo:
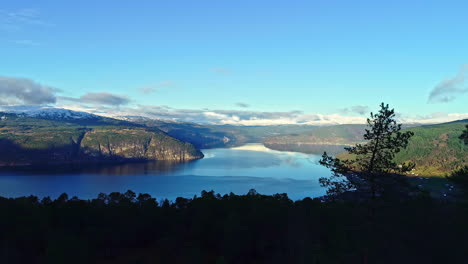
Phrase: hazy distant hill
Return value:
(28, 140)
(201, 136)
(258, 134)
(219, 136)
(331, 139)
(435, 149)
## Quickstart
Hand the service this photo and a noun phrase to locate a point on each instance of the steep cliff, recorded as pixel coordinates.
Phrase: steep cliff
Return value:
(136, 143)
(30, 141)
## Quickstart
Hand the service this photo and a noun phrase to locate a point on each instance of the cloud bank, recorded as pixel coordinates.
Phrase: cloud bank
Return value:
(449, 89)
(243, 105)
(357, 109)
(251, 118)
(22, 91)
(25, 91)
(101, 98)
(220, 117)
(105, 99)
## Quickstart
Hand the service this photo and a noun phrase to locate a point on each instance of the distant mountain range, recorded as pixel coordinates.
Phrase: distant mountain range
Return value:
(218, 136)
(31, 135)
(330, 139)
(50, 113)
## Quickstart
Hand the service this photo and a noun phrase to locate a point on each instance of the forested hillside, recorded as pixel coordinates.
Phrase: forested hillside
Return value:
(137, 228)
(436, 149)
(29, 141)
(331, 139)
(220, 136)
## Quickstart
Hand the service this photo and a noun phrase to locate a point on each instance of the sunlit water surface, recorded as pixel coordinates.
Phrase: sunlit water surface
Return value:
(234, 170)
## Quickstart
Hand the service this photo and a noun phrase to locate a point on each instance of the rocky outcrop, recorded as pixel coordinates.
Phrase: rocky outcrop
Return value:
(33, 142)
(136, 144)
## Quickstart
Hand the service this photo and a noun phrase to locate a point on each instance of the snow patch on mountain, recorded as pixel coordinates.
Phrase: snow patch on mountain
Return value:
(46, 112)
(136, 118)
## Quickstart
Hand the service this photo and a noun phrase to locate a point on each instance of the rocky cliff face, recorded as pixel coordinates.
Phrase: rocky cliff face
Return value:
(136, 144)
(37, 142)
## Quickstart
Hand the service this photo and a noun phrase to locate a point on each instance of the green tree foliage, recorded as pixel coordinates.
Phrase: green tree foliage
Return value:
(254, 228)
(372, 168)
(464, 136)
(460, 177)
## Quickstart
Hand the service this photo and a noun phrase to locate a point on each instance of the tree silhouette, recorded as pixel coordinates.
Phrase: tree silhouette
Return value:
(371, 164)
(460, 177)
(251, 228)
(464, 136)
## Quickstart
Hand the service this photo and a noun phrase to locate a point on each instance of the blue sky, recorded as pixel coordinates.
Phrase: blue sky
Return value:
(318, 57)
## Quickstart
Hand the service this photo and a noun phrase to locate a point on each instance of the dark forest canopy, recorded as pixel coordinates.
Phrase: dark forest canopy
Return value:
(252, 228)
(460, 176)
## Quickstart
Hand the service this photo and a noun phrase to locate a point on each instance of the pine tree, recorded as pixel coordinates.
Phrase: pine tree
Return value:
(371, 168)
(460, 177)
(464, 136)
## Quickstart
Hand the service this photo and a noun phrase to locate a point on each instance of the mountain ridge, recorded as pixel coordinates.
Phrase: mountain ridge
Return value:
(28, 140)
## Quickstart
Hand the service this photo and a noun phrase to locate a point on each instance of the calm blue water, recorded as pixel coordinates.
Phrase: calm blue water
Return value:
(222, 170)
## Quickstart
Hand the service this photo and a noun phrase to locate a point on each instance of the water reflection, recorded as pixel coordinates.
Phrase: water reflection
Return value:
(223, 170)
(165, 167)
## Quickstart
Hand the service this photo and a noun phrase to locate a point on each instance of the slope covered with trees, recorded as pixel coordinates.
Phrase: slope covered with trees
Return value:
(436, 150)
(372, 172)
(130, 228)
(332, 139)
(221, 136)
(32, 141)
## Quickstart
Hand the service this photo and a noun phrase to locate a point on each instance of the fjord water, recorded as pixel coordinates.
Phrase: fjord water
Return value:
(236, 170)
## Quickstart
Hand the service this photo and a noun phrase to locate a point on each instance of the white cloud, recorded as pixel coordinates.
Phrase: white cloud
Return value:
(101, 98)
(154, 87)
(21, 91)
(242, 105)
(252, 118)
(449, 89)
(434, 118)
(357, 109)
(25, 91)
(221, 117)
